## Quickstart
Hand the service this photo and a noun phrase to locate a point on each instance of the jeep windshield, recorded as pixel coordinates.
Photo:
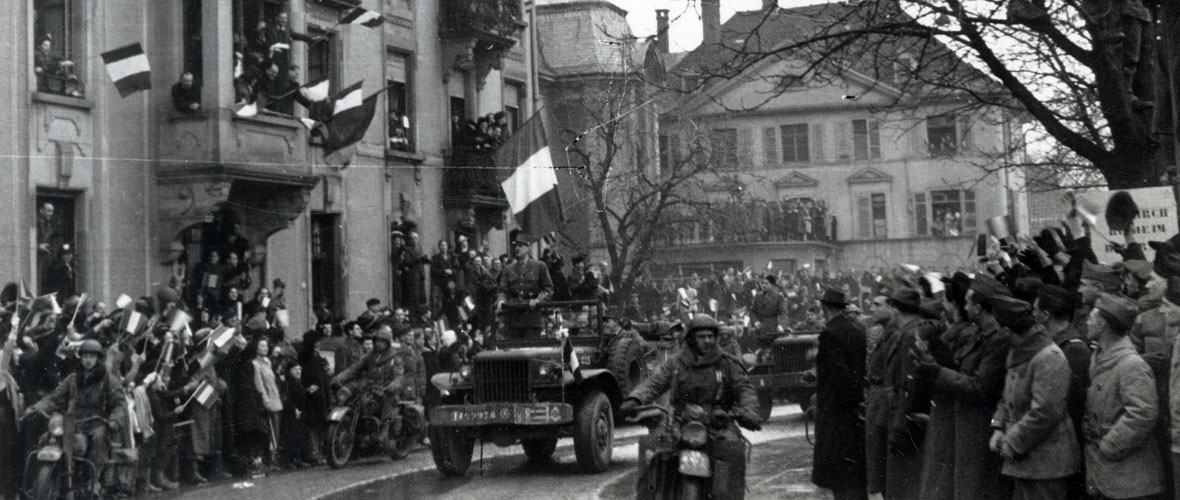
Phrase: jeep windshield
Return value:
(581, 319)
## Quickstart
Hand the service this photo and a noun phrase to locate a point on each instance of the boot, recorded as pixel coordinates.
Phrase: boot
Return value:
(193, 471)
(219, 472)
(162, 482)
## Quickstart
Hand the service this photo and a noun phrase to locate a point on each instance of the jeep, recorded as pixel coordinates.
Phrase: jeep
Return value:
(788, 371)
(523, 390)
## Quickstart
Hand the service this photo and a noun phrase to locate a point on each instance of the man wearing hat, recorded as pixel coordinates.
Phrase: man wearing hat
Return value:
(769, 305)
(839, 461)
(397, 257)
(1122, 408)
(523, 284)
(973, 382)
(893, 440)
(1054, 309)
(1031, 429)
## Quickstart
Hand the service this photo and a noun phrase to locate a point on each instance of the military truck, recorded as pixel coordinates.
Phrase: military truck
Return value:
(787, 372)
(524, 391)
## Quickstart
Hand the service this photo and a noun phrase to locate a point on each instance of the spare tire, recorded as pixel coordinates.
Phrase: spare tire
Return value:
(625, 361)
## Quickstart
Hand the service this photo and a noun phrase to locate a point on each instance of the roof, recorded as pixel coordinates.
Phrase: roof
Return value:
(748, 36)
(585, 36)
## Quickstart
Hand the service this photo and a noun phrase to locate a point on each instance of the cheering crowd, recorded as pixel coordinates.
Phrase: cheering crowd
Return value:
(796, 219)
(1042, 375)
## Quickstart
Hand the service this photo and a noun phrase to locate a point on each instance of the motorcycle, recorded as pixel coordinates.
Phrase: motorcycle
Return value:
(354, 428)
(58, 467)
(681, 458)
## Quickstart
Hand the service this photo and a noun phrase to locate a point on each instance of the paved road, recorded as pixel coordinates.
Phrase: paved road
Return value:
(779, 469)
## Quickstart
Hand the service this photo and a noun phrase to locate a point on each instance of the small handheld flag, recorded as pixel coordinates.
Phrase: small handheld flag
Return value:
(221, 336)
(570, 357)
(363, 17)
(129, 69)
(205, 394)
(123, 301)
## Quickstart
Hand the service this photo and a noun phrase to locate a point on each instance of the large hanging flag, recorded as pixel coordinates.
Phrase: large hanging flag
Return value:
(363, 17)
(529, 179)
(351, 115)
(129, 69)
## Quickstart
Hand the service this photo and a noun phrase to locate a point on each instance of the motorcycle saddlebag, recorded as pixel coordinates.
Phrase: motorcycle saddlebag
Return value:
(729, 469)
(658, 465)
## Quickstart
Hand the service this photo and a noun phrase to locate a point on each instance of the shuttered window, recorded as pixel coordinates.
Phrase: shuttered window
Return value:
(843, 141)
(866, 139)
(817, 142)
(795, 143)
(871, 221)
(769, 147)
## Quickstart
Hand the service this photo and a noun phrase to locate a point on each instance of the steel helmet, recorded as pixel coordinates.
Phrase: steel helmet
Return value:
(384, 334)
(90, 346)
(703, 322)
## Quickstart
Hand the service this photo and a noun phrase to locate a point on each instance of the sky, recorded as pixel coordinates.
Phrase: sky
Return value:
(685, 17)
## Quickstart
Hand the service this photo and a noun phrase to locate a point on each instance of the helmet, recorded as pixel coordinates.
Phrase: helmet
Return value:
(703, 322)
(90, 346)
(384, 334)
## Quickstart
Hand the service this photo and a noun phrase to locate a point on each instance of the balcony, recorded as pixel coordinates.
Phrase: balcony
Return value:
(477, 35)
(470, 180)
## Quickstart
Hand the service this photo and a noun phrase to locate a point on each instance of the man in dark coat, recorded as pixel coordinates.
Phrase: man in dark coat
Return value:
(1055, 307)
(839, 462)
(397, 259)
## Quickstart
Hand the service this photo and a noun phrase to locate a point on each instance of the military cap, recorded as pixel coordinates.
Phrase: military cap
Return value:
(397, 234)
(1026, 288)
(1012, 312)
(1057, 300)
(1167, 263)
(957, 286)
(1101, 273)
(1172, 244)
(907, 300)
(523, 238)
(834, 297)
(1120, 310)
(931, 308)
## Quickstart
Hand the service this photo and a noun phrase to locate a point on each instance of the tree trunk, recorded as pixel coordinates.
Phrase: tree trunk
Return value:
(1137, 165)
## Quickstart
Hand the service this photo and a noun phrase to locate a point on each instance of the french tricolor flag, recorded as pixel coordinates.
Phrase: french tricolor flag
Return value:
(530, 184)
(129, 69)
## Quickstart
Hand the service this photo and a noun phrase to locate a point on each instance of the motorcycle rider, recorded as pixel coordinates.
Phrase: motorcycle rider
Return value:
(90, 392)
(382, 368)
(703, 375)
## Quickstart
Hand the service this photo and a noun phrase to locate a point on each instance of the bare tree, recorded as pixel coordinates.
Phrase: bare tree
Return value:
(1080, 69)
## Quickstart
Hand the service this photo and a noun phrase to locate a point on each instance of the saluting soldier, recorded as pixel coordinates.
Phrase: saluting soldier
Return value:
(524, 282)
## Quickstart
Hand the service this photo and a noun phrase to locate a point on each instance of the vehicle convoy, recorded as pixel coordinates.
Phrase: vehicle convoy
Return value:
(681, 459)
(787, 371)
(525, 389)
(354, 428)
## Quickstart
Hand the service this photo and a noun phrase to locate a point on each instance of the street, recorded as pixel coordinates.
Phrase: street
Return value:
(779, 468)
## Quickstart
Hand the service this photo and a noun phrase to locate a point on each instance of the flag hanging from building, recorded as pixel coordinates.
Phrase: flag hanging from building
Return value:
(129, 69)
(529, 179)
(363, 17)
(351, 115)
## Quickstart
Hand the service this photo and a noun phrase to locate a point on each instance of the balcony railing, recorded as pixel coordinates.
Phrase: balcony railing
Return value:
(501, 19)
(471, 176)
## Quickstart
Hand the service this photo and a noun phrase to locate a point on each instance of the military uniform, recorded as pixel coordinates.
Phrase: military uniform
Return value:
(521, 282)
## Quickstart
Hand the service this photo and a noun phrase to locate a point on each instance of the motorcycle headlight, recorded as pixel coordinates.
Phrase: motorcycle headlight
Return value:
(694, 434)
(56, 425)
(695, 413)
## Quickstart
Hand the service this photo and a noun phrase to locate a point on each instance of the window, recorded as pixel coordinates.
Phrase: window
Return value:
(514, 96)
(866, 139)
(670, 153)
(192, 38)
(399, 110)
(769, 146)
(945, 213)
(795, 147)
(60, 22)
(870, 216)
(942, 135)
(724, 143)
(321, 62)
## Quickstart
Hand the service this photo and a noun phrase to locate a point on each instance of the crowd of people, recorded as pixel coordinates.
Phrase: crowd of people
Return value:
(1042, 374)
(263, 71)
(474, 141)
(795, 219)
(54, 74)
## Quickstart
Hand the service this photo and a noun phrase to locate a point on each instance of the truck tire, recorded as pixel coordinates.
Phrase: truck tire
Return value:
(593, 432)
(765, 405)
(451, 450)
(539, 449)
(625, 362)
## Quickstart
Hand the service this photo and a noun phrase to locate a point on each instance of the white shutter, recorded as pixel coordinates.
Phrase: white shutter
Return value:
(843, 148)
(817, 142)
(770, 149)
(874, 129)
(864, 217)
(917, 133)
(963, 128)
(395, 67)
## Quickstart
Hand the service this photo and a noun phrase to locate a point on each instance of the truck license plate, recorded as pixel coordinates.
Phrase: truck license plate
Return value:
(511, 414)
(694, 463)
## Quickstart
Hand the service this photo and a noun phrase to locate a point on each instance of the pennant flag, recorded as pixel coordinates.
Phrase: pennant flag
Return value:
(318, 91)
(351, 115)
(129, 69)
(248, 111)
(221, 336)
(361, 16)
(205, 394)
(571, 358)
(529, 179)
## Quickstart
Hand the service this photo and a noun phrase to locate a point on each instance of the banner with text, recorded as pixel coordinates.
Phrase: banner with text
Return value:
(1156, 220)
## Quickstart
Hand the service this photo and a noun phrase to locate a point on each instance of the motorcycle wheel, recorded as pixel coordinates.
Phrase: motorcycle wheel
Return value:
(539, 449)
(402, 443)
(340, 441)
(45, 485)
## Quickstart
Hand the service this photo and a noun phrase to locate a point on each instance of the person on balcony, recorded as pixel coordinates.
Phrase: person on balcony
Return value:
(186, 95)
(54, 75)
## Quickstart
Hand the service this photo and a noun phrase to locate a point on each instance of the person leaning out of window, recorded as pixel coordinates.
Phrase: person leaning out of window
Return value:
(186, 94)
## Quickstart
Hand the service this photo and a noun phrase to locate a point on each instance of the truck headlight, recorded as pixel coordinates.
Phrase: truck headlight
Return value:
(465, 372)
(548, 371)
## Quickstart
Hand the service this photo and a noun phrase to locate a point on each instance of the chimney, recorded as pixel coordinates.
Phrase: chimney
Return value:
(711, 22)
(768, 5)
(662, 30)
